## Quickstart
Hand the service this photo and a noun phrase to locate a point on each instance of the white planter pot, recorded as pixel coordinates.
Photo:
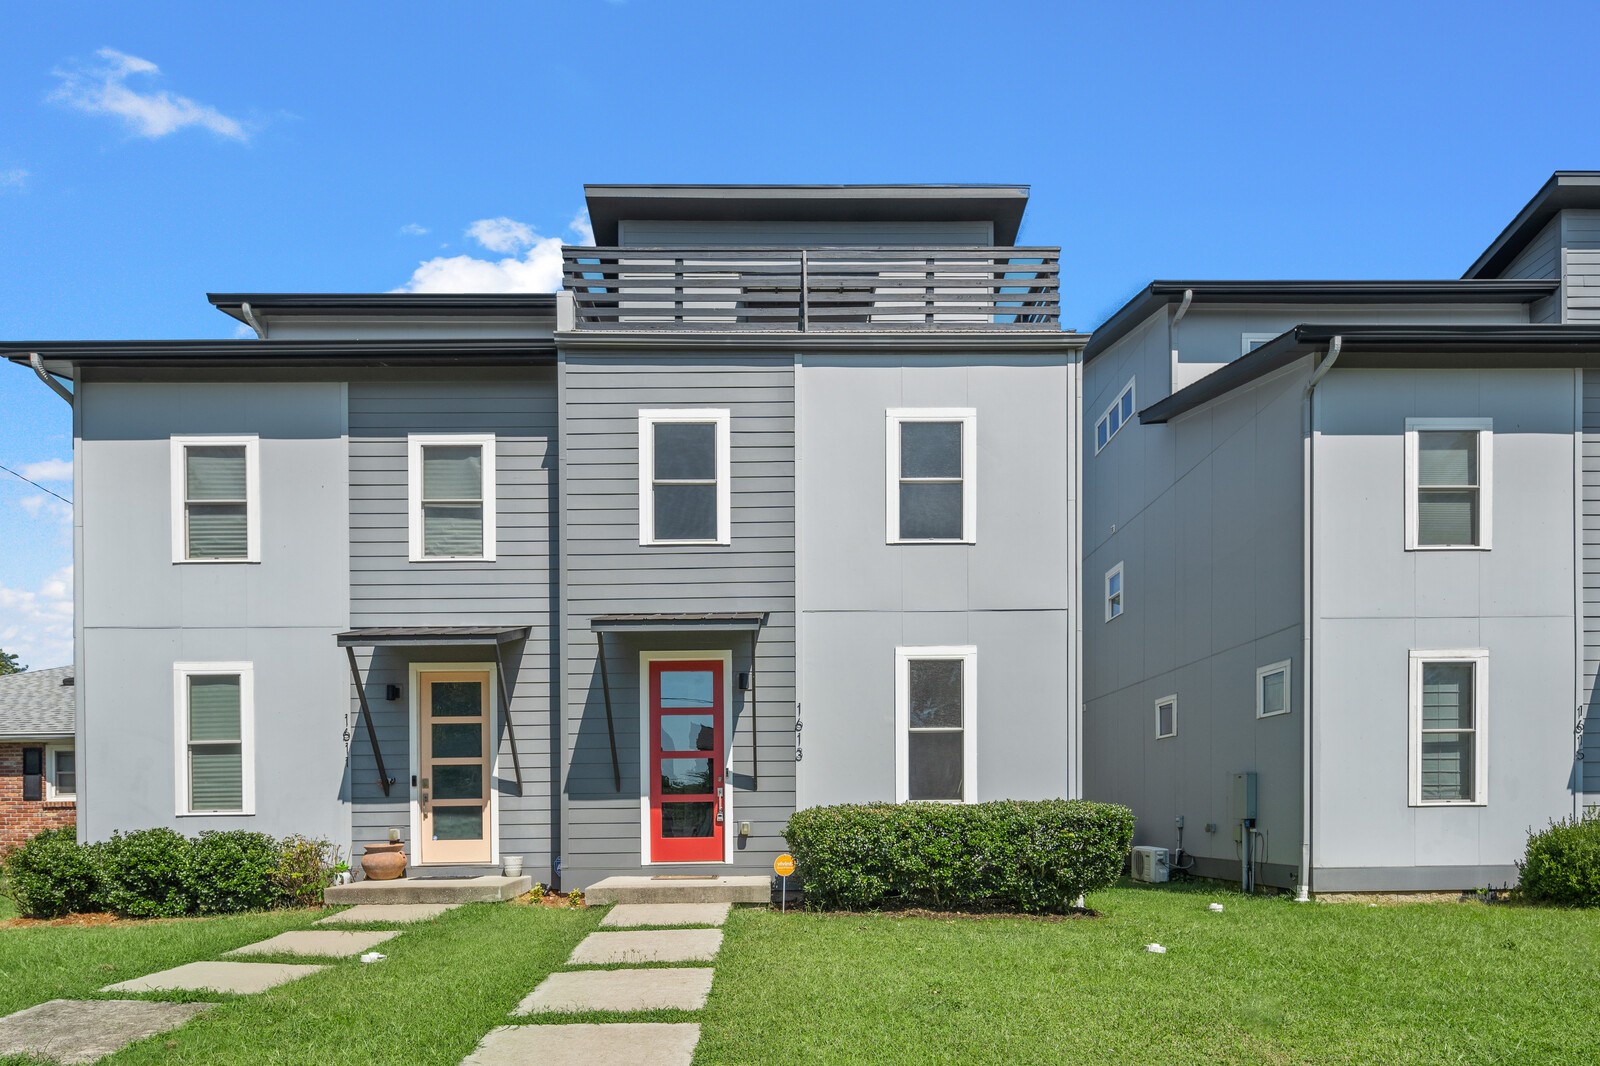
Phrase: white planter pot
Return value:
(511, 865)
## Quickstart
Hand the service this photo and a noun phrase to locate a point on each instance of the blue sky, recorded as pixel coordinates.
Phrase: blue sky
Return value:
(150, 153)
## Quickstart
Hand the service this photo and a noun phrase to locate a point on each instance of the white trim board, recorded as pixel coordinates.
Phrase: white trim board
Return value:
(1484, 427)
(719, 417)
(1479, 658)
(415, 442)
(967, 417)
(968, 654)
(181, 672)
(180, 494)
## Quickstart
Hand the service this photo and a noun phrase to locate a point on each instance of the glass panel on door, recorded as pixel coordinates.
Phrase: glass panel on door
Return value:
(456, 723)
(688, 762)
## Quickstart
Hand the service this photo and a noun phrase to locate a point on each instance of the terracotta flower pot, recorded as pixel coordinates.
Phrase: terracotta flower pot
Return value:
(384, 862)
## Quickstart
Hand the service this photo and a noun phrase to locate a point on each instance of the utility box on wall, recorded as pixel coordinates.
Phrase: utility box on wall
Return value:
(1242, 802)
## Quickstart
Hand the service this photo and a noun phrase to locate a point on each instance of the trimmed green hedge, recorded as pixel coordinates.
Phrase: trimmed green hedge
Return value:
(1562, 864)
(1031, 856)
(157, 873)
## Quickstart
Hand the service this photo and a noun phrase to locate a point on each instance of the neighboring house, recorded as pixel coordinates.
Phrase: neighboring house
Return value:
(38, 761)
(774, 506)
(1343, 536)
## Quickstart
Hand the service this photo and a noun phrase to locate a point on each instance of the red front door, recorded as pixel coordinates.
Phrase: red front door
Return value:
(686, 761)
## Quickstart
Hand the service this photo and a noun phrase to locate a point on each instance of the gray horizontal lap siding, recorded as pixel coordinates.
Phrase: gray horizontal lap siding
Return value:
(517, 589)
(607, 571)
(1541, 259)
(1582, 280)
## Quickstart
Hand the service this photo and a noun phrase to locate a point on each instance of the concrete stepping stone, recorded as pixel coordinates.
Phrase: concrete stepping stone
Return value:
(387, 912)
(327, 942)
(236, 977)
(620, 1044)
(85, 1030)
(620, 990)
(659, 945)
(627, 915)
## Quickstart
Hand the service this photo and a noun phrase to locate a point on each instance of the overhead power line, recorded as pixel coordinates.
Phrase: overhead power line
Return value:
(35, 484)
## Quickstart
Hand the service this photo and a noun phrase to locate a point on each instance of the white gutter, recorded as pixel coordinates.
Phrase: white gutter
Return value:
(250, 320)
(59, 389)
(1308, 474)
(1172, 333)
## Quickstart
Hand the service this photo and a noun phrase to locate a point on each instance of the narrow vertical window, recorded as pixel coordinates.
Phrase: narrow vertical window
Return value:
(63, 774)
(215, 495)
(1114, 417)
(214, 725)
(1114, 594)
(1448, 466)
(932, 485)
(685, 494)
(936, 741)
(1166, 717)
(1272, 690)
(1447, 710)
(452, 497)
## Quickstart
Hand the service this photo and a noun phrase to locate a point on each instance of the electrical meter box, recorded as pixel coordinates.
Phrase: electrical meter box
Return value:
(1242, 807)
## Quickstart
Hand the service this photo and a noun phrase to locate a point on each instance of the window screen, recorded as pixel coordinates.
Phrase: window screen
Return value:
(216, 504)
(452, 500)
(936, 719)
(215, 743)
(931, 491)
(1449, 732)
(1447, 488)
(684, 481)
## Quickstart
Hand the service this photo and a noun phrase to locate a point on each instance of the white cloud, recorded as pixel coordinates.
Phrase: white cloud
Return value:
(102, 89)
(242, 331)
(412, 229)
(14, 178)
(581, 228)
(36, 624)
(502, 234)
(48, 470)
(536, 269)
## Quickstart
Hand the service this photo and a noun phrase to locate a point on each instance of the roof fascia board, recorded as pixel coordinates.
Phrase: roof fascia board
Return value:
(1565, 189)
(865, 343)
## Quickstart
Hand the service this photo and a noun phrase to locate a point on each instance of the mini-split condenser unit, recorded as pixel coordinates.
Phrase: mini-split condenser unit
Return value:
(1149, 864)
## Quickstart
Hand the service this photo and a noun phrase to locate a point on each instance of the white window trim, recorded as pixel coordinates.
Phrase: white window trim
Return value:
(252, 487)
(968, 417)
(51, 793)
(1122, 593)
(968, 654)
(497, 724)
(648, 419)
(415, 442)
(1165, 701)
(1479, 658)
(1105, 415)
(1258, 339)
(1287, 667)
(181, 672)
(1485, 430)
(729, 825)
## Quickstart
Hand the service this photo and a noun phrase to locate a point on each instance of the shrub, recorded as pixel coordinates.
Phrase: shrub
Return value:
(305, 866)
(147, 873)
(51, 875)
(234, 871)
(1562, 864)
(1029, 856)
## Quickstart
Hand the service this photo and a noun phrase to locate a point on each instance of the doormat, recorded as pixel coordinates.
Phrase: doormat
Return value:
(684, 877)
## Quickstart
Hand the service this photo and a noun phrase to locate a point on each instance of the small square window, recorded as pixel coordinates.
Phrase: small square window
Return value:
(1166, 717)
(1114, 592)
(1272, 690)
(684, 477)
(1119, 414)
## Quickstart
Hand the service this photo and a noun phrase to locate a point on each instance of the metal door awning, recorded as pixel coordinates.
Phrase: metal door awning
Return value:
(699, 622)
(433, 637)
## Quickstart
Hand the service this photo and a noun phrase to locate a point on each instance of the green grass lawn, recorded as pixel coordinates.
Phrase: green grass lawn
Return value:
(1265, 981)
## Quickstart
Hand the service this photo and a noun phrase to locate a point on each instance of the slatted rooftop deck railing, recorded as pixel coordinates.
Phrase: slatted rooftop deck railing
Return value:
(816, 289)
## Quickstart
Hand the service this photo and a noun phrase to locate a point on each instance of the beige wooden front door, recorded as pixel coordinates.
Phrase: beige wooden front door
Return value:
(455, 723)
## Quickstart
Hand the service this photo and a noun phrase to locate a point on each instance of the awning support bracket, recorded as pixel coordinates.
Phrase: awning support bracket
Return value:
(611, 728)
(366, 716)
(505, 702)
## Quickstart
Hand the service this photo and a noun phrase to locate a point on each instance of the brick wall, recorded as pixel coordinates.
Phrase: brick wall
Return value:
(19, 818)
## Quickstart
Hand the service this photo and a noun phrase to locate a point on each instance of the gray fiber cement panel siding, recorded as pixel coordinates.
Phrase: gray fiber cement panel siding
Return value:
(141, 612)
(517, 589)
(1378, 602)
(607, 571)
(1590, 502)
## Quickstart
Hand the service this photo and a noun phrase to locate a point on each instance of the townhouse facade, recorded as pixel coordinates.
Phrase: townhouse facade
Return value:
(774, 505)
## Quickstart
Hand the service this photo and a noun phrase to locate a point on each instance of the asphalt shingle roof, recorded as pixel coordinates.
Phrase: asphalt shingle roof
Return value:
(36, 703)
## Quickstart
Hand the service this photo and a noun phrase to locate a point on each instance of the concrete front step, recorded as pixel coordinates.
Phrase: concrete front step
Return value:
(488, 889)
(750, 889)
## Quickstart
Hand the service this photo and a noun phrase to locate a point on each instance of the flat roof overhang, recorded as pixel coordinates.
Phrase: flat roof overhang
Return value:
(375, 304)
(721, 622)
(1565, 189)
(63, 357)
(1396, 346)
(1001, 205)
(430, 636)
(1158, 294)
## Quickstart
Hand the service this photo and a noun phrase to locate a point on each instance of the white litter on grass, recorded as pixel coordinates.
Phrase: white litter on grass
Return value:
(1155, 949)
(1215, 908)
(373, 956)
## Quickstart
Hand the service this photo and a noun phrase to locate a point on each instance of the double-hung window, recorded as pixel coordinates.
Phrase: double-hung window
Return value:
(685, 477)
(936, 747)
(451, 479)
(1166, 717)
(216, 499)
(1272, 690)
(1448, 751)
(61, 772)
(1448, 466)
(1113, 418)
(215, 715)
(933, 483)
(1114, 593)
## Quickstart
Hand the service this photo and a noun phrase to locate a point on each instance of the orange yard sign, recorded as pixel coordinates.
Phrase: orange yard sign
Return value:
(783, 865)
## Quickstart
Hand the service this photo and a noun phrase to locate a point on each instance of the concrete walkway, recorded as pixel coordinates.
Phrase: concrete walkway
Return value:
(653, 932)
